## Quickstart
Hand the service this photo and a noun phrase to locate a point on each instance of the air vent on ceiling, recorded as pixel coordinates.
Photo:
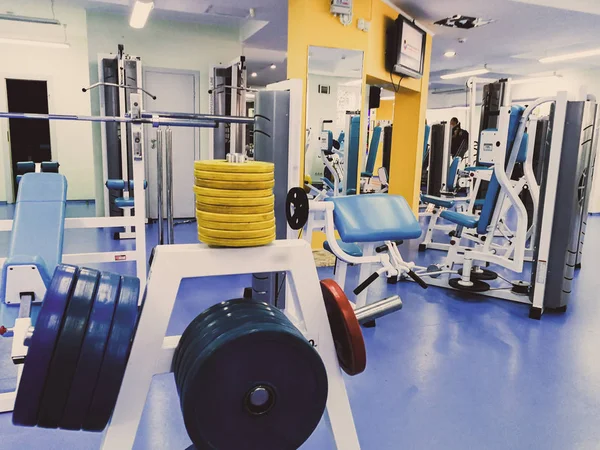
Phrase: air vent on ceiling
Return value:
(464, 22)
(229, 11)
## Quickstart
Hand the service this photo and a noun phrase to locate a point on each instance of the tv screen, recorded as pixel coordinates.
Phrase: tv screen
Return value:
(407, 53)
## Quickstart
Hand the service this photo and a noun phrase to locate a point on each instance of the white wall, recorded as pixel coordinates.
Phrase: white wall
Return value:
(327, 107)
(66, 71)
(161, 44)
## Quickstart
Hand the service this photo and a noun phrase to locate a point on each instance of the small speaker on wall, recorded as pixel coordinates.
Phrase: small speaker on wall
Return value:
(374, 97)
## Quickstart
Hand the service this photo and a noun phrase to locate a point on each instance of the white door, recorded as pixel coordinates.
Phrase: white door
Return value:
(175, 92)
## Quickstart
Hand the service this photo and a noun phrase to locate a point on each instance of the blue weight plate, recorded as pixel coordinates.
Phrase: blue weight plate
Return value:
(67, 349)
(205, 324)
(227, 315)
(115, 356)
(41, 348)
(92, 352)
(228, 372)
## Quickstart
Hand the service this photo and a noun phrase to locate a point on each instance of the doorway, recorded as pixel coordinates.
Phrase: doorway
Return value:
(29, 139)
(175, 91)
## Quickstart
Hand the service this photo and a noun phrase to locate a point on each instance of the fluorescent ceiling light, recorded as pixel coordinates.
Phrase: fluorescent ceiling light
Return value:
(141, 12)
(34, 43)
(570, 56)
(450, 54)
(535, 80)
(28, 19)
(273, 66)
(470, 73)
(253, 74)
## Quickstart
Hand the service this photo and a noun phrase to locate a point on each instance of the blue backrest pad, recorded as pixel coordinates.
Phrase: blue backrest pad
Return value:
(373, 149)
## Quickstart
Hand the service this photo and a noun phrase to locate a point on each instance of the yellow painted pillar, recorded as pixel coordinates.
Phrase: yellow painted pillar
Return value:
(407, 138)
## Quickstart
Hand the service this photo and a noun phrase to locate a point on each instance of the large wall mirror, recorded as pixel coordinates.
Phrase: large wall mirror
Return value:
(334, 101)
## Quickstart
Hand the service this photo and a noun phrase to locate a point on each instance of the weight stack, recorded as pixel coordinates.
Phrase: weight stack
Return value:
(235, 203)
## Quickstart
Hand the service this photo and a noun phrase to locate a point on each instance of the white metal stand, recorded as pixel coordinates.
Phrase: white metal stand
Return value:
(152, 352)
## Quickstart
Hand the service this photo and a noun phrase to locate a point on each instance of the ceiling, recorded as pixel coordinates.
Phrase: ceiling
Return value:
(335, 62)
(523, 32)
(264, 35)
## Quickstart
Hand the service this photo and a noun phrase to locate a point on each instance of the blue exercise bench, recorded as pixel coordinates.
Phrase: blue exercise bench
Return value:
(367, 220)
(36, 242)
(373, 149)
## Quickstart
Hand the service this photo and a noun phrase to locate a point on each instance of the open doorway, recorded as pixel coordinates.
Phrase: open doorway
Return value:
(29, 139)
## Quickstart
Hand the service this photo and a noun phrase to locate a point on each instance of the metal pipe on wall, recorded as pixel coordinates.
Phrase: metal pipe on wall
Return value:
(159, 185)
(169, 169)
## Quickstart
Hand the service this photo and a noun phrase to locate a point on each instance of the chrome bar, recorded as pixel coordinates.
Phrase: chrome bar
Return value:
(159, 185)
(378, 309)
(169, 169)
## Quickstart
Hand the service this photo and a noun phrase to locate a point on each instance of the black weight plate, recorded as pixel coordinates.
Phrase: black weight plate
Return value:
(201, 321)
(484, 275)
(41, 348)
(67, 350)
(115, 356)
(212, 326)
(214, 400)
(297, 199)
(478, 285)
(92, 352)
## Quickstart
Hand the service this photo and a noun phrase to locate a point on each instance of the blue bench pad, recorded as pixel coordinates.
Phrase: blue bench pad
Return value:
(374, 218)
(437, 201)
(349, 248)
(465, 220)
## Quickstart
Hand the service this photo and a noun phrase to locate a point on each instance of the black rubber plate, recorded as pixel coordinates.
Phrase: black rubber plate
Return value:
(238, 356)
(478, 285)
(296, 208)
(484, 275)
(39, 355)
(67, 350)
(92, 352)
(115, 356)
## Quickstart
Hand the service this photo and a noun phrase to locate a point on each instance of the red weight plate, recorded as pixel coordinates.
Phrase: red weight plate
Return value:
(347, 335)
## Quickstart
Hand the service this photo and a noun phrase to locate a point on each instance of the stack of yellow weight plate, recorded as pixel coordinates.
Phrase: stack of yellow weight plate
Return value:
(235, 203)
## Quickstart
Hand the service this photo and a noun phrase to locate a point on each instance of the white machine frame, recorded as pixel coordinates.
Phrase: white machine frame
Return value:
(152, 351)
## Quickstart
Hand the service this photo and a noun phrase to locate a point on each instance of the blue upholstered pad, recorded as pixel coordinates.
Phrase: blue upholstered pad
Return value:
(522, 156)
(465, 220)
(39, 218)
(374, 218)
(349, 248)
(373, 149)
(124, 202)
(437, 201)
(452, 172)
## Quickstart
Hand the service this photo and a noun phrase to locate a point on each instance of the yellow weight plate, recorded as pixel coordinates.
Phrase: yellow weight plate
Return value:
(237, 177)
(236, 242)
(241, 185)
(238, 226)
(202, 192)
(220, 165)
(226, 201)
(224, 234)
(234, 218)
(237, 210)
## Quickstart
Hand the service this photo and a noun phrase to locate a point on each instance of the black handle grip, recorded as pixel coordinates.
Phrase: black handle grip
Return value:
(328, 121)
(365, 284)
(83, 89)
(383, 248)
(418, 279)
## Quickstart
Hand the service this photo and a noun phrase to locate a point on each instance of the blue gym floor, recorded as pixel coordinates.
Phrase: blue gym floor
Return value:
(446, 372)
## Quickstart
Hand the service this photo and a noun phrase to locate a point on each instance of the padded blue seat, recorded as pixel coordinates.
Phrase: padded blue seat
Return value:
(437, 201)
(36, 239)
(374, 218)
(464, 220)
(124, 202)
(349, 248)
